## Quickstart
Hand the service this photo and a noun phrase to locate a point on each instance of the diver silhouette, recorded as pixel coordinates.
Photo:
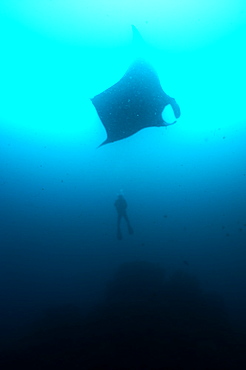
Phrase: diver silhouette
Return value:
(121, 205)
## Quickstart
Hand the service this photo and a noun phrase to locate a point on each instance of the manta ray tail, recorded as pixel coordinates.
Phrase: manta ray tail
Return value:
(137, 38)
(140, 49)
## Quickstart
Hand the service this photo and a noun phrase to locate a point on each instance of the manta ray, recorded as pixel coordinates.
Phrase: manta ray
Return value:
(135, 102)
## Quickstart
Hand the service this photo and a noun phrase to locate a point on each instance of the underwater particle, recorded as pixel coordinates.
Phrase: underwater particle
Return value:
(223, 137)
(62, 181)
(42, 188)
(227, 234)
(186, 263)
(165, 216)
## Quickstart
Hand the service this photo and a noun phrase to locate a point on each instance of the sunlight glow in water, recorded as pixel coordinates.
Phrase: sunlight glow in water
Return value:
(59, 54)
(191, 20)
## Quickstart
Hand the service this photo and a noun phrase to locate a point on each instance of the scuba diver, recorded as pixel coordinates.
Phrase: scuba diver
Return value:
(121, 205)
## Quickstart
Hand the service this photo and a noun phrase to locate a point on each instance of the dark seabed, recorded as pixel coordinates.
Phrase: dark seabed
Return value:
(171, 295)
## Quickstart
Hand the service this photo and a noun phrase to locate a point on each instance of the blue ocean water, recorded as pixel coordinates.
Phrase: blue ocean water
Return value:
(184, 184)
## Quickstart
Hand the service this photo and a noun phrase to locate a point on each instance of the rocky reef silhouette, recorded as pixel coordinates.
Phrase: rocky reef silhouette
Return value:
(145, 321)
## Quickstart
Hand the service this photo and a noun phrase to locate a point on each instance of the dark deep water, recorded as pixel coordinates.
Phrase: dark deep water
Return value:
(172, 295)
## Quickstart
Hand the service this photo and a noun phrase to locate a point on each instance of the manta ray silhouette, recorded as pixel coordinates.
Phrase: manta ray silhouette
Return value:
(133, 103)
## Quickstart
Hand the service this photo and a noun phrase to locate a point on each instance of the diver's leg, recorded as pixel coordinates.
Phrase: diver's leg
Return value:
(119, 234)
(130, 229)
